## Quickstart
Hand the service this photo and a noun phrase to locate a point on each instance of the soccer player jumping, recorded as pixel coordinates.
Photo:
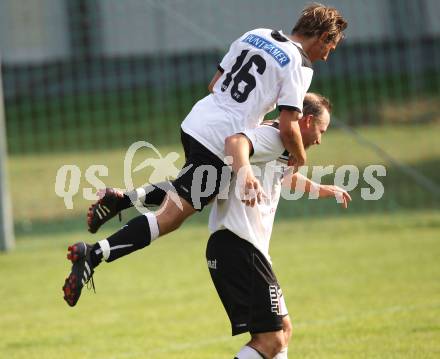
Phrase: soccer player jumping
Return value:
(263, 69)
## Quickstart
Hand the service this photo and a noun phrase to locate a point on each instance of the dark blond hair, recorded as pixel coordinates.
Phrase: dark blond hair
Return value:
(314, 104)
(317, 19)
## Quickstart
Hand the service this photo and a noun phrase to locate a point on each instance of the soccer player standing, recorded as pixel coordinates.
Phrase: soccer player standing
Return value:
(262, 69)
(238, 249)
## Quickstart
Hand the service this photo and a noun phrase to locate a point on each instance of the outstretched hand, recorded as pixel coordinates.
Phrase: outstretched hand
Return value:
(340, 194)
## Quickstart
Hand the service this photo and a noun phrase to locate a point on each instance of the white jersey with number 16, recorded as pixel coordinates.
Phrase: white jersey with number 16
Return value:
(262, 69)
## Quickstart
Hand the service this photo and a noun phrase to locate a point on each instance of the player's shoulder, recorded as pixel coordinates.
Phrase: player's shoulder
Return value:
(271, 36)
(280, 40)
(275, 126)
(258, 31)
(265, 133)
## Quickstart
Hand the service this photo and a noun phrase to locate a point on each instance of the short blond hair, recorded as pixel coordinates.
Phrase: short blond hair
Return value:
(317, 19)
(314, 104)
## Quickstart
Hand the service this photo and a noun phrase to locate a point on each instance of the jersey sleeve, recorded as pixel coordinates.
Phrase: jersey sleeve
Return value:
(291, 94)
(266, 143)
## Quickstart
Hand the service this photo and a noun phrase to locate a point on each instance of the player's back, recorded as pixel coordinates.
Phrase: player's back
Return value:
(256, 71)
(262, 68)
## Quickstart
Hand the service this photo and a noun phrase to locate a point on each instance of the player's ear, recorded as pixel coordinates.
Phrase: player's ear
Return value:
(308, 120)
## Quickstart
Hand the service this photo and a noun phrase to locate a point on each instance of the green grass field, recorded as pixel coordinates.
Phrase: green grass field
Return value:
(359, 283)
(356, 287)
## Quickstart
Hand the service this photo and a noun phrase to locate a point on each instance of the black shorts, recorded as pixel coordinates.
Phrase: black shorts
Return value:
(203, 175)
(245, 283)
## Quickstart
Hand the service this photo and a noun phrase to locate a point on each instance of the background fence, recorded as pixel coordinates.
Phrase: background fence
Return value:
(84, 79)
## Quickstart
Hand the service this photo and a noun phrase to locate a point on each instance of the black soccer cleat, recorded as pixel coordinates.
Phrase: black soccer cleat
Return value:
(81, 273)
(104, 209)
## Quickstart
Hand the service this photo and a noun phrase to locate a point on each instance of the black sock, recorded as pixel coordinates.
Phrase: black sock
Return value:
(133, 236)
(153, 195)
(96, 255)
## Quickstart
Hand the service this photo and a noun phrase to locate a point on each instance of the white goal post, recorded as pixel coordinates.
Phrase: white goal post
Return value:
(7, 240)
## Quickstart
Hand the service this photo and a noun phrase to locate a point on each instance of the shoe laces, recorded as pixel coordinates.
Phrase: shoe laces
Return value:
(91, 284)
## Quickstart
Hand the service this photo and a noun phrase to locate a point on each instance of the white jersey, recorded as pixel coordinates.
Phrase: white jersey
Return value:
(262, 69)
(254, 224)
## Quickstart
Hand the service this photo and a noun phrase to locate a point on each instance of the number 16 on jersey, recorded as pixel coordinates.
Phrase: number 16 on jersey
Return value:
(243, 81)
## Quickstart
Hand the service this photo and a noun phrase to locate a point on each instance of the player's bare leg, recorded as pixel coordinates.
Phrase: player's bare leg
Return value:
(270, 345)
(173, 213)
(263, 346)
(287, 331)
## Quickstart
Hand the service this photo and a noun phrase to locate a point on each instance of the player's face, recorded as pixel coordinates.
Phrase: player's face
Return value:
(314, 129)
(322, 48)
(328, 47)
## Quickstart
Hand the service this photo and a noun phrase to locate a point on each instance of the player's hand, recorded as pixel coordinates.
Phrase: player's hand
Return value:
(340, 194)
(253, 191)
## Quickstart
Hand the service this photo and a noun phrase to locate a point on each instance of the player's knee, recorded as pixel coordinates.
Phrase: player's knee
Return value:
(172, 215)
(276, 344)
(271, 344)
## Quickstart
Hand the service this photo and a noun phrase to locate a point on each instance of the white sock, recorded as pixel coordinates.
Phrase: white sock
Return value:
(282, 354)
(154, 226)
(105, 247)
(248, 353)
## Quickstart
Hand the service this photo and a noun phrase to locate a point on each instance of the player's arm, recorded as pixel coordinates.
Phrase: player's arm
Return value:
(240, 148)
(217, 75)
(291, 137)
(296, 181)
